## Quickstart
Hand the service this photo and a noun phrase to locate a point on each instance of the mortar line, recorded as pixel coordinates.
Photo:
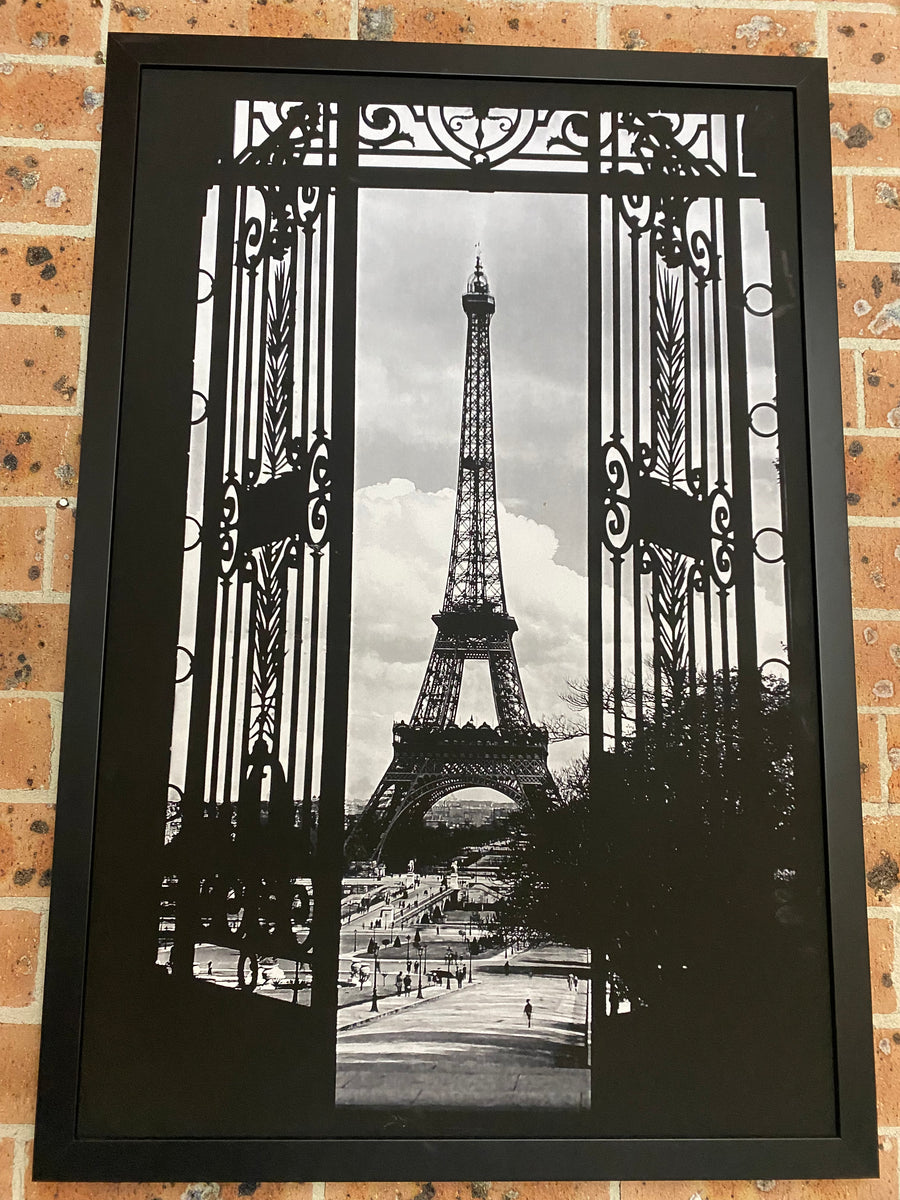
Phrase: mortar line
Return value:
(34, 904)
(40, 318)
(18, 1172)
(851, 229)
(25, 1014)
(602, 27)
(821, 30)
(49, 60)
(860, 388)
(862, 170)
(875, 522)
(890, 710)
(31, 501)
(26, 796)
(890, 256)
(869, 431)
(852, 87)
(35, 597)
(39, 410)
(876, 614)
(25, 143)
(44, 229)
(872, 343)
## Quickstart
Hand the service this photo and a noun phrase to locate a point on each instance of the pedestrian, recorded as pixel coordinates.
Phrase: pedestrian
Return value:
(569, 980)
(459, 978)
(528, 1010)
(398, 983)
(407, 983)
(506, 967)
(575, 982)
(209, 967)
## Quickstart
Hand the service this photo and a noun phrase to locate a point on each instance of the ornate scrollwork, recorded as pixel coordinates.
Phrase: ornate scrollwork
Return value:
(290, 131)
(479, 136)
(616, 481)
(381, 126)
(228, 527)
(721, 537)
(319, 493)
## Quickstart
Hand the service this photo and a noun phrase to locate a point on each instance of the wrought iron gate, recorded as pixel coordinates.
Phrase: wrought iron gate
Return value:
(685, 505)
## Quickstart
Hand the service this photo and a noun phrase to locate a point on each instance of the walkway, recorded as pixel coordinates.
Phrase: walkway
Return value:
(470, 1047)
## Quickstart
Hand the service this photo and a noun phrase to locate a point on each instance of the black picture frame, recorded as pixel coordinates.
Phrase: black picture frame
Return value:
(102, 880)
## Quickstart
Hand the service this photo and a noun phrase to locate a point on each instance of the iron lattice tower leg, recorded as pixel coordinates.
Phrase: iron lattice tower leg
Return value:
(432, 755)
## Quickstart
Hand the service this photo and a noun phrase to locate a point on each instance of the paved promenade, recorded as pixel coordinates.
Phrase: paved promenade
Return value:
(470, 1047)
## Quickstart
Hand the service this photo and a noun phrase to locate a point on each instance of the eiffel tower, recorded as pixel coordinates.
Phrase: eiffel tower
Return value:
(433, 756)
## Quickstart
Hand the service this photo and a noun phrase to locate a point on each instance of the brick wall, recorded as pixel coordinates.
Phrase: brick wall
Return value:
(51, 110)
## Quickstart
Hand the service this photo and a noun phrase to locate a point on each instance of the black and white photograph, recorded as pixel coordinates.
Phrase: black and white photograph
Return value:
(481, 774)
(503, 890)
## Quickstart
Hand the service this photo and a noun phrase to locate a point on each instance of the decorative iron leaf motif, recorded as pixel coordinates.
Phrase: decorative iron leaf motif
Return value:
(279, 375)
(667, 394)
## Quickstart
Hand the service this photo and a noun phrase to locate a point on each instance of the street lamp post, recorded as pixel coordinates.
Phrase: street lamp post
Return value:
(421, 969)
(407, 952)
(470, 962)
(449, 960)
(374, 1007)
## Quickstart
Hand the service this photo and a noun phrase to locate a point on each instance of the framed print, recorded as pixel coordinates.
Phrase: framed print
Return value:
(458, 770)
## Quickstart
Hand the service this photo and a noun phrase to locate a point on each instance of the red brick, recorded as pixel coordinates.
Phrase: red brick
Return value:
(869, 769)
(875, 566)
(780, 1189)
(178, 16)
(54, 187)
(63, 546)
(300, 18)
(865, 131)
(45, 273)
(26, 849)
(40, 364)
(848, 388)
(32, 647)
(881, 965)
(882, 842)
(873, 480)
(158, 1191)
(863, 47)
(39, 455)
(839, 193)
(893, 754)
(50, 27)
(18, 1072)
(453, 1191)
(19, 939)
(25, 743)
(22, 533)
(52, 102)
(712, 30)
(534, 24)
(869, 299)
(877, 647)
(881, 387)
(876, 212)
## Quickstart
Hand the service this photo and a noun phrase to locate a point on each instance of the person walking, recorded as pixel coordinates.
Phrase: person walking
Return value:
(506, 967)
(569, 980)
(575, 982)
(407, 983)
(398, 983)
(528, 1010)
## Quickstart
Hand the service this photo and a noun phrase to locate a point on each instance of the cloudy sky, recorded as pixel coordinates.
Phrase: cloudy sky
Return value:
(416, 251)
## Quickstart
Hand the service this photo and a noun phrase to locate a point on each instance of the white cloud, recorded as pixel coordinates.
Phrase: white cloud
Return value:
(401, 546)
